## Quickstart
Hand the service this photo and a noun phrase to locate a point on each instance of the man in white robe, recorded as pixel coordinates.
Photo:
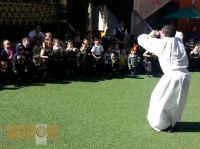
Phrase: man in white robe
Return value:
(168, 99)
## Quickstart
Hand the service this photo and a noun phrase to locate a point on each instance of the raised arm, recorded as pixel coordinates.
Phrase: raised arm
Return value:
(150, 43)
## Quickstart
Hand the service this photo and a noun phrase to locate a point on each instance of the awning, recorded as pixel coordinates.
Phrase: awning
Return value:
(186, 13)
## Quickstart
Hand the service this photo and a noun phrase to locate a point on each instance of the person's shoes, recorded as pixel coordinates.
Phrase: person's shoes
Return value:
(168, 129)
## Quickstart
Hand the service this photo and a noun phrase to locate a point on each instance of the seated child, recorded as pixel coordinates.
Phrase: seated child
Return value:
(20, 63)
(77, 39)
(147, 64)
(108, 62)
(37, 48)
(58, 63)
(3, 66)
(47, 50)
(115, 63)
(57, 48)
(88, 59)
(39, 71)
(117, 50)
(195, 58)
(195, 53)
(97, 52)
(81, 55)
(6, 58)
(189, 45)
(47, 56)
(133, 60)
(123, 61)
(70, 59)
(27, 47)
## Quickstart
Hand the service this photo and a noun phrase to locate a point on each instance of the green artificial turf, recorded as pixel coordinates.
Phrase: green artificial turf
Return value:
(95, 114)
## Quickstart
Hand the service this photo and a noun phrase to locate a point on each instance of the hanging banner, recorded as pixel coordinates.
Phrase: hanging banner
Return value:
(24, 13)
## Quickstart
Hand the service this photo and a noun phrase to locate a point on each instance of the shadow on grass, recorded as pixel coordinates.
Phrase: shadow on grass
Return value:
(89, 79)
(56, 81)
(102, 78)
(187, 127)
(157, 75)
(9, 88)
(129, 76)
(18, 85)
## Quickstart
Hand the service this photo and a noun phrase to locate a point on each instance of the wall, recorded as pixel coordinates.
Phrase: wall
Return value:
(147, 7)
(185, 25)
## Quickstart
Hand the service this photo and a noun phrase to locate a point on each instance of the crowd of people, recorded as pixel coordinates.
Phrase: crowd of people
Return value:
(192, 45)
(39, 56)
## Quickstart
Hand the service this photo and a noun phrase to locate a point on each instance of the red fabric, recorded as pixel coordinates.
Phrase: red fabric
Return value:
(10, 53)
(157, 1)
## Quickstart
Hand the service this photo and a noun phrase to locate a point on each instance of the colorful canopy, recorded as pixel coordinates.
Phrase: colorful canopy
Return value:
(186, 13)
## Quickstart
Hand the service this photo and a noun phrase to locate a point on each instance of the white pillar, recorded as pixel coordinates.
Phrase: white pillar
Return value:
(193, 3)
(89, 28)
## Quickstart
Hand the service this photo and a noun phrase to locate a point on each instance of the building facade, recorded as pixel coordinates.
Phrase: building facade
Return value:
(186, 24)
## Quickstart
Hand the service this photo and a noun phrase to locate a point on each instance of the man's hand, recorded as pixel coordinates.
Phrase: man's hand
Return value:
(154, 33)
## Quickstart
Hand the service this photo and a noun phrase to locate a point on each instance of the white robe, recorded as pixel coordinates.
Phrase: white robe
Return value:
(168, 99)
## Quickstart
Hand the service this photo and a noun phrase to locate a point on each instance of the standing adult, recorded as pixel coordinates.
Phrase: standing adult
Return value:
(168, 99)
(120, 34)
(193, 35)
(36, 34)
